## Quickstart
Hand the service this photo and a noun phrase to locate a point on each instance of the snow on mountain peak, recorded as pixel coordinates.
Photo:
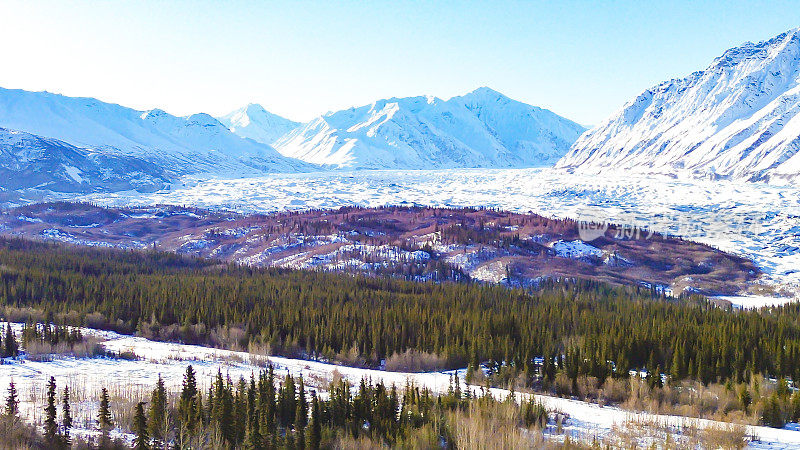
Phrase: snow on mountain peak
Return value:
(205, 120)
(254, 122)
(480, 129)
(738, 118)
(485, 93)
(198, 143)
(153, 114)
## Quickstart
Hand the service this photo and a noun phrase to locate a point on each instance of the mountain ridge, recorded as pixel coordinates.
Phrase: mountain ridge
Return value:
(426, 132)
(739, 118)
(197, 143)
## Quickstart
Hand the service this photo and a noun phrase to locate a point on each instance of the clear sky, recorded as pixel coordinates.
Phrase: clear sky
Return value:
(299, 59)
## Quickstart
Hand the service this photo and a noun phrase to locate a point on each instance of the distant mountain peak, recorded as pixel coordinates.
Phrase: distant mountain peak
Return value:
(153, 114)
(204, 120)
(485, 92)
(480, 129)
(253, 121)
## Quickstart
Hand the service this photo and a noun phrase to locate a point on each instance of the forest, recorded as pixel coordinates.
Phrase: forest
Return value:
(552, 338)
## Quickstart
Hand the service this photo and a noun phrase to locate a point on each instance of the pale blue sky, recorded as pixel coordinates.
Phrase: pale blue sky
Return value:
(300, 59)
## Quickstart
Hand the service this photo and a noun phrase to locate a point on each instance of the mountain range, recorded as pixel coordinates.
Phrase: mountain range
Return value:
(180, 145)
(739, 118)
(481, 129)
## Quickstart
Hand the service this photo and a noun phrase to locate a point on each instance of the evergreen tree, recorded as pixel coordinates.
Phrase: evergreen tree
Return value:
(66, 417)
(253, 439)
(314, 429)
(50, 424)
(299, 426)
(12, 402)
(157, 418)
(240, 412)
(11, 348)
(222, 409)
(187, 405)
(287, 402)
(266, 404)
(104, 421)
(142, 441)
(301, 416)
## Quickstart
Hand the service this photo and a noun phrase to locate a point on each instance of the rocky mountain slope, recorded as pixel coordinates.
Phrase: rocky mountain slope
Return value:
(32, 162)
(738, 118)
(481, 129)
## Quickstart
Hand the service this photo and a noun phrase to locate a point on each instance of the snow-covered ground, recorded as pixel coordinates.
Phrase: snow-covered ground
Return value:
(755, 220)
(136, 377)
(755, 301)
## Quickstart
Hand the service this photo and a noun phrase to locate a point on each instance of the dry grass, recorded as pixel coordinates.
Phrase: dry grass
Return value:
(415, 361)
(658, 435)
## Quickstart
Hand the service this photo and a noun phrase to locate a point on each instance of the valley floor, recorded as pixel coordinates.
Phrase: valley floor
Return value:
(758, 221)
(134, 378)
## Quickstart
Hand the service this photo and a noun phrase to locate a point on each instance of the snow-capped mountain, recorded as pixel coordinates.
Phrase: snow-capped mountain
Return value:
(738, 118)
(481, 129)
(255, 122)
(195, 144)
(28, 161)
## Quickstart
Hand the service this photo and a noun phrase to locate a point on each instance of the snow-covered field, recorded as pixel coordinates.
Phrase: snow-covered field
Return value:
(752, 301)
(136, 377)
(755, 220)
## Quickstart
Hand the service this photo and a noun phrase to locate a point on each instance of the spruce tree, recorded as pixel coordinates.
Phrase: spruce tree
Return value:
(240, 412)
(157, 419)
(142, 441)
(187, 405)
(104, 421)
(266, 394)
(253, 438)
(50, 424)
(12, 401)
(11, 349)
(299, 427)
(314, 429)
(301, 417)
(287, 402)
(222, 409)
(66, 417)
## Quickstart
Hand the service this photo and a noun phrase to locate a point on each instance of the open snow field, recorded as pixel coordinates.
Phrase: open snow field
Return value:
(756, 220)
(137, 377)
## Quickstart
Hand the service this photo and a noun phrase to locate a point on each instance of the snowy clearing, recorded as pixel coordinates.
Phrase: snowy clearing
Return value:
(169, 360)
(755, 301)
